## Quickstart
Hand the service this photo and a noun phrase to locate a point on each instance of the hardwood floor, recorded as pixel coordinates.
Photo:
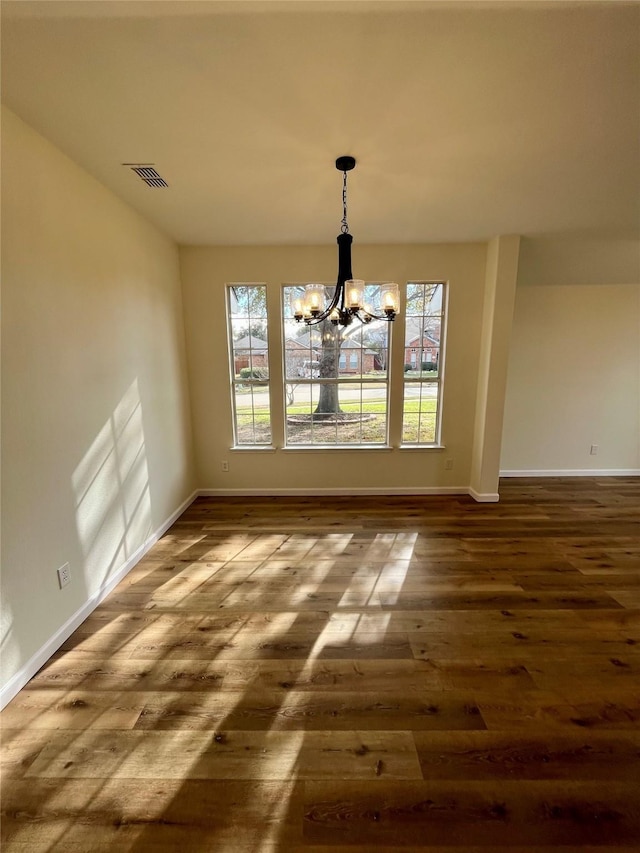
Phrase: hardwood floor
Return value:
(316, 675)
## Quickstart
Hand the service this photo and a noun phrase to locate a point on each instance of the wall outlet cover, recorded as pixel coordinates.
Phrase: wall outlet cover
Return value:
(64, 575)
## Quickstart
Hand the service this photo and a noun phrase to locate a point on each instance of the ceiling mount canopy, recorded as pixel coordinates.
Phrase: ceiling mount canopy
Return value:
(348, 299)
(346, 163)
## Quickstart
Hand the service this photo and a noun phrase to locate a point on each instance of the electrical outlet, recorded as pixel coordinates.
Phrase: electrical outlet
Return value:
(594, 450)
(64, 575)
(225, 465)
(448, 464)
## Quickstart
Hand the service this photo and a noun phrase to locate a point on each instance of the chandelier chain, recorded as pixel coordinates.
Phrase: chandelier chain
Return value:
(344, 228)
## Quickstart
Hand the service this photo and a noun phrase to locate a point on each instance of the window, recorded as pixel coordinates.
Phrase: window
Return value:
(424, 322)
(335, 407)
(249, 363)
(336, 380)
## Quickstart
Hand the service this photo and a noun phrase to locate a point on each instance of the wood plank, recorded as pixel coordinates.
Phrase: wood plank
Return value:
(161, 815)
(20, 748)
(378, 676)
(498, 755)
(73, 709)
(243, 645)
(294, 710)
(566, 643)
(564, 600)
(497, 815)
(551, 710)
(227, 755)
(454, 622)
(466, 848)
(611, 619)
(627, 598)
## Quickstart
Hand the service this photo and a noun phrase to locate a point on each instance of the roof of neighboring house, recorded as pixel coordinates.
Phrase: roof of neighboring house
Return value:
(312, 340)
(298, 343)
(249, 342)
(423, 337)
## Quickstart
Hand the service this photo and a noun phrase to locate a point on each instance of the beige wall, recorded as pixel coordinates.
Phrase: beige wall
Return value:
(95, 422)
(204, 274)
(582, 260)
(574, 380)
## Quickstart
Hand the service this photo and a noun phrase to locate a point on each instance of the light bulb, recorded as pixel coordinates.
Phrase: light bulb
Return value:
(355, 289)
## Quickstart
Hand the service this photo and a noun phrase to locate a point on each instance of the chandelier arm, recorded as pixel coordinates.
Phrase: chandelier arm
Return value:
(387, 317)
(330, 307)
(323, 315)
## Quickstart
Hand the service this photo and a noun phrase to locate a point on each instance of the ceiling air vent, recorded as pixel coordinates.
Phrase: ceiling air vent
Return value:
(148, 174)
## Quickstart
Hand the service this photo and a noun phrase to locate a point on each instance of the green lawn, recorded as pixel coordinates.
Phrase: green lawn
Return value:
(418, 424)
(369, 407)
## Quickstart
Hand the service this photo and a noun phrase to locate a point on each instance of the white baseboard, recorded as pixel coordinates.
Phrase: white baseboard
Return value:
(574, 472)
(489, 497)
(484, 497)
(36, 661)
(385, 490)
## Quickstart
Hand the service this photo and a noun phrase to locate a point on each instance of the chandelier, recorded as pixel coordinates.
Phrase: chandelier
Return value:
(348, 300)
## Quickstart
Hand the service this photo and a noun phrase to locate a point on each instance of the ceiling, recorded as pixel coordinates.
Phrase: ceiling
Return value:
(467, 119)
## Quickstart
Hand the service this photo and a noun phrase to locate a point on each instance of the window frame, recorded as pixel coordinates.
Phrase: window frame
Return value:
(340, 381)
(438, 380)
(238, 444)
(394, 379)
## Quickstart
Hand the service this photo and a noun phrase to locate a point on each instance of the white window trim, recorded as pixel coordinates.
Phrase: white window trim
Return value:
(395, 380)
(263, 383)
(439, 380)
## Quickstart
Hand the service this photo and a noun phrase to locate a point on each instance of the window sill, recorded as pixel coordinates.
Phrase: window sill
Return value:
(260, 448)
(404, 447)
(339, 448)
(310, 448)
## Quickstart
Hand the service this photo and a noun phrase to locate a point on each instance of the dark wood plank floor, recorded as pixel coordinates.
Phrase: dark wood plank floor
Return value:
(362, 674)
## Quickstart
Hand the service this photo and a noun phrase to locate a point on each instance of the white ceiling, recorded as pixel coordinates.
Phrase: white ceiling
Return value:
(467, 119)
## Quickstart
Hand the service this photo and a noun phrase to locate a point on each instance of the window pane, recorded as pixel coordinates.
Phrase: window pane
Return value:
(252, 415)
(420, 410)
(302, 347)
(249, 347)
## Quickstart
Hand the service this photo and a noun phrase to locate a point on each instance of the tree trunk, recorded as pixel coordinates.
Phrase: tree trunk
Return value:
(328, 402)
